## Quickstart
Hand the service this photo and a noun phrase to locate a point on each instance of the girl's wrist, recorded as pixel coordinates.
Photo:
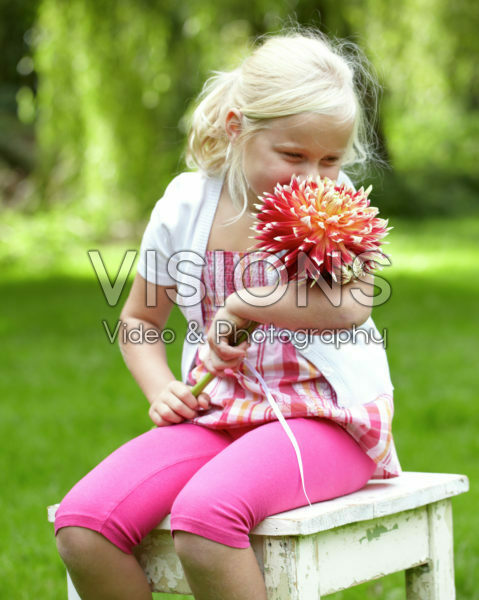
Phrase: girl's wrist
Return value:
(236, 307)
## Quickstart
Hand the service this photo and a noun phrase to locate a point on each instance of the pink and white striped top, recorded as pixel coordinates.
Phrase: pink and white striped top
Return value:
(297, 386)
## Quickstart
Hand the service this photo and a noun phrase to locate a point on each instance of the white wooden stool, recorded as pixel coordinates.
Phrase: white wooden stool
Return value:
(305, 553)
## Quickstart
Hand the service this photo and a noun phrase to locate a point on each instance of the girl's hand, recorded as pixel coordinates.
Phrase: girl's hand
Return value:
(175, 403)
(219, 354)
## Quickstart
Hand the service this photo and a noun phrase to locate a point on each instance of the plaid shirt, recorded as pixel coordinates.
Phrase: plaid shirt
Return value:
(297, 386)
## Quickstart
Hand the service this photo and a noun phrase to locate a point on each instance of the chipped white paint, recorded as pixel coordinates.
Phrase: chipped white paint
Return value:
(51, 511)
(371, 549)
(157, 556)
(398, 524)
(435, 579)
(291, 568)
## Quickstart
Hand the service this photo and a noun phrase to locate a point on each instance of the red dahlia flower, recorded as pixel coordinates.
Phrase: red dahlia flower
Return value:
(333, 225)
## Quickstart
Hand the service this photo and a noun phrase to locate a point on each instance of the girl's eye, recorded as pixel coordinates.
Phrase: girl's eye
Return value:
(293, 155)
(331, 160)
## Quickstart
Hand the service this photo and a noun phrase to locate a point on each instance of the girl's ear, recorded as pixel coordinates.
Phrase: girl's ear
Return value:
(233, 123)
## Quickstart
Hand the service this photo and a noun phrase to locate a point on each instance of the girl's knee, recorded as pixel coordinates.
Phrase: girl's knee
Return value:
(76, 543)
(191, 547)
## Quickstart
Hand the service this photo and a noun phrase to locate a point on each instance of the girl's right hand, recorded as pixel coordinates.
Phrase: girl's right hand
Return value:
(175, 403)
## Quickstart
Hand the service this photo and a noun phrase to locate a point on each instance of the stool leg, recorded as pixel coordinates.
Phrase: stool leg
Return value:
(291, 568)
(435, 579)
(72, 593)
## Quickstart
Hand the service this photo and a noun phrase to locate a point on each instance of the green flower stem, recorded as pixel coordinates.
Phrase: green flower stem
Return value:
(204, 381)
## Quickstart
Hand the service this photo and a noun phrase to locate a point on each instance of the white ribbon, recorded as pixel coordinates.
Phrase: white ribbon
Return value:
(281, 419)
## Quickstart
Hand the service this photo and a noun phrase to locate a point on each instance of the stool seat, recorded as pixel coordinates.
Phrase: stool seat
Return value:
(391, 525)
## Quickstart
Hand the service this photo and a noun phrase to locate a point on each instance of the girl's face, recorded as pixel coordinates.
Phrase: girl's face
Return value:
(302, 145)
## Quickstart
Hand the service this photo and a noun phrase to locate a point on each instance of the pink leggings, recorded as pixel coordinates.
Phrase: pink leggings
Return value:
(218, 484)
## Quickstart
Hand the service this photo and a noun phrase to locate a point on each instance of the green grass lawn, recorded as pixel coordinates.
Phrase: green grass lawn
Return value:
(67, 399)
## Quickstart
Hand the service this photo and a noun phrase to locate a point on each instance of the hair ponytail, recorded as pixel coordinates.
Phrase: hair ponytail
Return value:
(207, 140)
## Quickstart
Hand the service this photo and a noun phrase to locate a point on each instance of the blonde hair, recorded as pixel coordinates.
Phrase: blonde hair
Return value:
(288, 74)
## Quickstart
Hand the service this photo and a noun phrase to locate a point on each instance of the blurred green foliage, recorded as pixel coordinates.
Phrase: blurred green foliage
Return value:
(95, 97)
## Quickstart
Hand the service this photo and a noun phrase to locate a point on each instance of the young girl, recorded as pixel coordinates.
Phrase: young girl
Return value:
(223, 462)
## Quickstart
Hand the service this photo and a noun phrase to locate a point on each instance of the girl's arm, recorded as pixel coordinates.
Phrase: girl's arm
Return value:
(171, 400)
(146, 361)
(329, 309)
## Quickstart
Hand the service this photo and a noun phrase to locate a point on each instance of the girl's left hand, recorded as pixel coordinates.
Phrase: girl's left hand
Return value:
(219, 354)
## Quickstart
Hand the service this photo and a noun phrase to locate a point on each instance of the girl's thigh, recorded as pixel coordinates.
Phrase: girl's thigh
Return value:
(133, 489)
(258, 475)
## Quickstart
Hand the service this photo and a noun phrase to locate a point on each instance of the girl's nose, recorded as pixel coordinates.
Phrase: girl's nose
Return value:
(332, 172)
(311, 171)
(314, 171)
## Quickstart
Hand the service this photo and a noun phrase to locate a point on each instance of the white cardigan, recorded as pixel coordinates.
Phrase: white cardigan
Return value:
(179, 227)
